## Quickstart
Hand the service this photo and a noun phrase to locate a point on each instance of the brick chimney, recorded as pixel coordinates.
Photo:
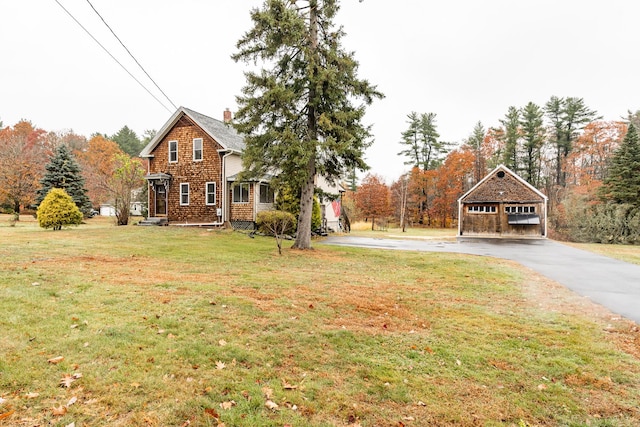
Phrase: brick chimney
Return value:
(227, 116)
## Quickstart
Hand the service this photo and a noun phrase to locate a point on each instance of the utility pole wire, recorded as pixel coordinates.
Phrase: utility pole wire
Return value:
(131, 55)
(113, 57)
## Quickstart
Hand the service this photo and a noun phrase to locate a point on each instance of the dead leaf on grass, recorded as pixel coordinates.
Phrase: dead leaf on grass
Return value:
(268, 392)
(212, 413)
(271, 405)
(71, 401)
(7, 414)
(59, 411)
(67, 380)
(56, 360)
(31, 395)
(220, 365)
(287, 386)
(228, 405)
(222, 343)
(73, 424)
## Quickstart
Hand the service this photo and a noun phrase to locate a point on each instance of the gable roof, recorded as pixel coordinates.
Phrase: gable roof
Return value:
(221, 132)
(507, 171)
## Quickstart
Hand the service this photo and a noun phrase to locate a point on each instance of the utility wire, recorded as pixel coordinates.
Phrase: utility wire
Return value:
(131, 55)
(112, 57)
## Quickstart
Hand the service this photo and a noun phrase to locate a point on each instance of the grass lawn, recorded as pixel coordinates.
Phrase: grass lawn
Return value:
(169, 326)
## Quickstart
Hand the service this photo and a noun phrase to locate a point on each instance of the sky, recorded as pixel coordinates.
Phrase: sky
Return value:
(464, 60)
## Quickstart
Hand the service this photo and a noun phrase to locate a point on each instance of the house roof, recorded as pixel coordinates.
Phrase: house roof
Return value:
(223, 133)
(501, 196)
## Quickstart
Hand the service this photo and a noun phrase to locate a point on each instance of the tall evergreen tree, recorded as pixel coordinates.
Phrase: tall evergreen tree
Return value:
(63, 172)
(128, 141)
(511, 123)
(568, 116)
(622, 184)
(424, 149)
(476, 141)
(299, 114)
(532, 125)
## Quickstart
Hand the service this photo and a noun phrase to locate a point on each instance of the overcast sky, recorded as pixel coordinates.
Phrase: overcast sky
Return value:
(465, 60)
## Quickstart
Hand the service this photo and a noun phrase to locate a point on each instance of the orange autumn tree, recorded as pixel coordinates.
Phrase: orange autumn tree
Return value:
(22, 159)
(372, 198)
(586, 166)
(98, 163)
(451, 183)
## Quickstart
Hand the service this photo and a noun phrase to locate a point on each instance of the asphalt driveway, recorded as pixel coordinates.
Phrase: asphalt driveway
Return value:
(606, 281)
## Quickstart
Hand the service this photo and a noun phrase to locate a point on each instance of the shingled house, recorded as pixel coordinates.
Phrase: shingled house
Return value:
(502, 205)
(193, 166)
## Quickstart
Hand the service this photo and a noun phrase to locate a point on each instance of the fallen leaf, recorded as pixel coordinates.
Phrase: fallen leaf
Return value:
(288, 386)
(421, 403)
(31, 395)
(170, 336)
(2, 400)
(222, 343)
(409, 418)
(71, 425)
(212, 413)
(267, 392)
(67, 380)
(59, 411)
(91, 401)
(271, 404)
(56, 360)
(77, 375)
(542, 387)
(6, 414)
(71, 401)
(458, 362)
(220, 365)
(135, 385)
(228, 405)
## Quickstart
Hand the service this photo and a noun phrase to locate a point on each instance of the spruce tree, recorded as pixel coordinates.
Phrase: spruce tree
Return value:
(622, 184)
(302, 114)
(63, 172)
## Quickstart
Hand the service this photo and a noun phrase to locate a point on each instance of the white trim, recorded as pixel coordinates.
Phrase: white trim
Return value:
(170, 151)
(206, 193)
(182, 184)
(201, 149)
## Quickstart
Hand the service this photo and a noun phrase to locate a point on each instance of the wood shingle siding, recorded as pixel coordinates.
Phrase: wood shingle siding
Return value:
(502, 205)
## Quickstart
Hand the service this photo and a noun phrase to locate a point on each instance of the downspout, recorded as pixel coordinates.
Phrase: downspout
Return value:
(225, 190)
(459, 217)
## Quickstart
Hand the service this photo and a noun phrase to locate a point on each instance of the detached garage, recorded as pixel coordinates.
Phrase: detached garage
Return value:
(502, 205)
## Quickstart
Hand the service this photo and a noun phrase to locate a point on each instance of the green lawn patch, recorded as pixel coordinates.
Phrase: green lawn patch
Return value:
(164, 326)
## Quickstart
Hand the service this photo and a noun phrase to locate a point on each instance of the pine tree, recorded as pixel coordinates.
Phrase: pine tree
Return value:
(622, 184)
(511, 123)
(422, 140)
(532, 126)
(299, 117)
(128, 141)
(63, 172)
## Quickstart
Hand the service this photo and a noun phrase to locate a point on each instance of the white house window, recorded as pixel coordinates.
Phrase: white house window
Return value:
(197, 149)
(211, 193)
(266, 194)
(241, 193)
(184, 194)
(173, 151)
(520, 209)
(481, 209)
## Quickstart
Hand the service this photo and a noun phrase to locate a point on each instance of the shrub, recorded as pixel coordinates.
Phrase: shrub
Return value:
(57, 210)
(277, 224)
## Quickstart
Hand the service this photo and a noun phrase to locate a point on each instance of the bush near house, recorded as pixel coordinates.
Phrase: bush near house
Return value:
(57, 210)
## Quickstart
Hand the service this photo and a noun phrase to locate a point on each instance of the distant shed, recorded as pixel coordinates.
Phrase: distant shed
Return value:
(503, 204)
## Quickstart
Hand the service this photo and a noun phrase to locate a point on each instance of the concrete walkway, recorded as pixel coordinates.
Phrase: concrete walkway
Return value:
(606, 281)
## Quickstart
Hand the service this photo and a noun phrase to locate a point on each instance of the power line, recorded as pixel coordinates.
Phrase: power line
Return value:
(130, 54)
(113, 57)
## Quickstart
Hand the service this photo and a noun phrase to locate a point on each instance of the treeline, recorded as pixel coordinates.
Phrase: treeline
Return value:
(26, 152)
(565, 149)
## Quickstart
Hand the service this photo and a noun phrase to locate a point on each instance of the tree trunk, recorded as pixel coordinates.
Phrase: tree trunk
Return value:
(303, 236)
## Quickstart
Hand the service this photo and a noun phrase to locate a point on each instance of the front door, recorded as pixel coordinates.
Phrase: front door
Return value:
(161, 200)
